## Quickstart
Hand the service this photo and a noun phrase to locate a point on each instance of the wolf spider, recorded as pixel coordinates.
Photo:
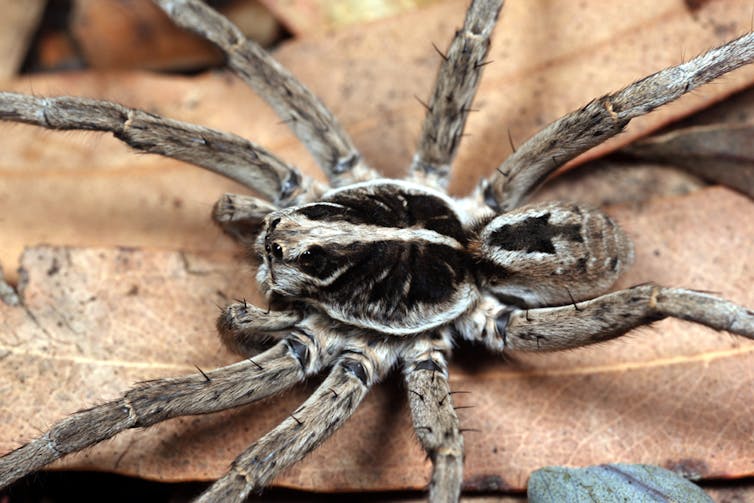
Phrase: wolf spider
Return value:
(369, 274)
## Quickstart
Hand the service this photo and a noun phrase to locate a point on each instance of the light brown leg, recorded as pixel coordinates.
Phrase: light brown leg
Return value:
(612, 315)
(455, 87)
(434, 419)
(222, 153)
(528, 167)
(307, 116)
(278, 368)
(319, 417)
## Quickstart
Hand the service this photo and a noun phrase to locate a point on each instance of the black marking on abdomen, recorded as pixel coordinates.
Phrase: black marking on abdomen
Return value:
(535, 234)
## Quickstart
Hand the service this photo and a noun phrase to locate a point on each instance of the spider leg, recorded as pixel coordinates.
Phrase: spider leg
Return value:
(434, 418)
(222, 153)
(580, 130)
(243, 327)
(150, 402)
(455, 87)
(612, 315)
(356, 370)
(307, 116)
(241, 216)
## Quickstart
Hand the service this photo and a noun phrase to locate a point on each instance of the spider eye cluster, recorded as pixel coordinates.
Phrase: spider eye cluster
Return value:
(271, 247)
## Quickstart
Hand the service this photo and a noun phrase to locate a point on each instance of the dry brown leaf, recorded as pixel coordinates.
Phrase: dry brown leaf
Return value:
(307, 17)
(96, 320)
(736, 109)
(677, 392)
(137, 34)
(607, 182)
(716, 144)
(544, 64)
(734, 493)
(17, 26)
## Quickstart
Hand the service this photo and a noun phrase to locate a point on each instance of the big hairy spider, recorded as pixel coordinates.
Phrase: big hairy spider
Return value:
(370, 273)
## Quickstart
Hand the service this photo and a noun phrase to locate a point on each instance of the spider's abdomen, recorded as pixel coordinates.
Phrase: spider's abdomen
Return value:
(551, 254)
(384, 255)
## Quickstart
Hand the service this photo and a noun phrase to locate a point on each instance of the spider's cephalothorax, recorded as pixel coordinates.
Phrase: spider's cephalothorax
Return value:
(375, 274)
(387, 256)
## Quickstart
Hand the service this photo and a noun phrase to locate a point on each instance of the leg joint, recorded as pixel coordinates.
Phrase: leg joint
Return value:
(357, 370)
(502, 320)
(300, 352)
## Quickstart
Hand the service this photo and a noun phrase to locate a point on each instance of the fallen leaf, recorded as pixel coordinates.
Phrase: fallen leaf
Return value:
(614, 483)
(544, 65)
(737, 109)
(307, 17)
(609, 181)
(676, 395)
(94, 321)
(17, 26)
(137, 34)
(732, 492)
(722, 153)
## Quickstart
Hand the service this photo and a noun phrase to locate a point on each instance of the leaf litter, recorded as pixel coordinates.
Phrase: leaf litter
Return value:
(109, 317)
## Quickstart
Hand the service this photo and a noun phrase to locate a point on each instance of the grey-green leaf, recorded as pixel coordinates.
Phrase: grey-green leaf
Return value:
(722, 153)
(611, 484)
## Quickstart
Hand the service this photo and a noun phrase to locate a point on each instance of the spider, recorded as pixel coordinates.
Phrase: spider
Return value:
(369, 275)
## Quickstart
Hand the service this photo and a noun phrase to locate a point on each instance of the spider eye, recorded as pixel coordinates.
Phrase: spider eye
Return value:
(312, 254)
(277, 250)
(313, 260)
